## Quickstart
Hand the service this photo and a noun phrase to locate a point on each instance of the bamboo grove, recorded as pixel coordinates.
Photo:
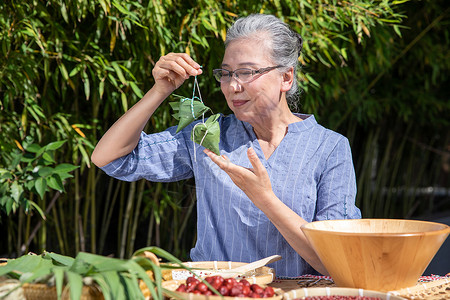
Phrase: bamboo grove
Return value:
(376, 71)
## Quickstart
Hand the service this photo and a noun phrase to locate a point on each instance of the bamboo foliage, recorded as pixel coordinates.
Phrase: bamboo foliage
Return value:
(69, 69)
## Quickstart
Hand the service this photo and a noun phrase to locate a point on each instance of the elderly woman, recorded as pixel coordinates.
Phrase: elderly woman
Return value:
(278, 170)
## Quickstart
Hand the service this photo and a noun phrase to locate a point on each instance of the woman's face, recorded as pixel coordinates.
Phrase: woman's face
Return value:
(260, 98)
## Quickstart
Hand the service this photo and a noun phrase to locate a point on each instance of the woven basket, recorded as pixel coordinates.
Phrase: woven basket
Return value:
(40, 291)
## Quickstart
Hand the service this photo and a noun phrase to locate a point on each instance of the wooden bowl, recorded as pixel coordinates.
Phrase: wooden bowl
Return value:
(376, 254)
(336, 291)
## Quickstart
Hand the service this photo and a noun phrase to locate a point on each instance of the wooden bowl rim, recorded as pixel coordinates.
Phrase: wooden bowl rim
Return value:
(445, 229)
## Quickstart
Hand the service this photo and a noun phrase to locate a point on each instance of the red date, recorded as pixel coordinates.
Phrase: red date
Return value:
(226, 287)
(339, 297)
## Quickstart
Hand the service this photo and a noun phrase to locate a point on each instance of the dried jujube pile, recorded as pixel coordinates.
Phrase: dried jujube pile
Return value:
(338, 297)
(226, 287)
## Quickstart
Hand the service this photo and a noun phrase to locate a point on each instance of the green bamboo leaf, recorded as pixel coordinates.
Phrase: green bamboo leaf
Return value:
(208, 134)
(84, 154)
(105, 288)
(131, 286)
(34, 148)
(59, 279)
(119, 73)
(113, 80)
(55, 145)
(60, 259)
(64, 12)
(39, 210)
(33, 114)
(188, 111)
(65, 168)
(40, 185)
(311, 80)
(75, 283)
(76, 70)
(87, 87)
(43, 268)
(136, 89)
(63, 70)
(101, 88)
(45, 171)
(25, 263)
(124, 101)
(397, 30)
(16, 191)
(47, 156)
(113, 280)
(55, 182)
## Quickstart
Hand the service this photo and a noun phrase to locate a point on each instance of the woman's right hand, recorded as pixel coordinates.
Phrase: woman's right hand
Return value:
(172, 70)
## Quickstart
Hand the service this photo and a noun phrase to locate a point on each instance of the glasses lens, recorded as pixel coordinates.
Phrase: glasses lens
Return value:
(221, 75)
(244, 75)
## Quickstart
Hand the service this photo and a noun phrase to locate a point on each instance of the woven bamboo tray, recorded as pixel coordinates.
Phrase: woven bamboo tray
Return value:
(262, 275)
(335, 291)
(435, 289)
(173, 284)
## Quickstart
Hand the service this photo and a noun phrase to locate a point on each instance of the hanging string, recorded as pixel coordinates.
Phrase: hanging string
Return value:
(193, 115)
(194, 97)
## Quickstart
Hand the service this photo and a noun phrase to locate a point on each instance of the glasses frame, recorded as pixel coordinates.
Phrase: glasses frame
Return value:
(232, 74)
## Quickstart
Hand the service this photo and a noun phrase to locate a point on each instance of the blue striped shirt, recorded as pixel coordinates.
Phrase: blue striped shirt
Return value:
(311, 171)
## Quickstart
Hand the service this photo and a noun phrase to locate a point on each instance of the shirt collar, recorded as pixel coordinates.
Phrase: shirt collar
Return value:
(308, 122)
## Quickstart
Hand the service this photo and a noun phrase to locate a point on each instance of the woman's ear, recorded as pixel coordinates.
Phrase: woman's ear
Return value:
(288, 79)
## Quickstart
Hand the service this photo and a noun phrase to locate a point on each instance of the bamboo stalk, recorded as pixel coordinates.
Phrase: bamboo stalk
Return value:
(58, 230)
(93, 226)
(76, 212)
(126, 219)
(132, 235)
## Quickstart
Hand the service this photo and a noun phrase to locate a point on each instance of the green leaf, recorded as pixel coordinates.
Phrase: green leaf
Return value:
(188, 111)
(208, 134)
(65, 168)
(136, 89)
(124, 101)
(45, 171)
(54, 145)
(55, 182)
(39, 210)
(60, 259)
(25, 263)
(75, 283)
(48, 157)
(59, 280)
(119, 73)
(34, 148)
(16, 191)
(40, 185)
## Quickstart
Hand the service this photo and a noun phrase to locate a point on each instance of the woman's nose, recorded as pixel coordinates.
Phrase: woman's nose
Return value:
(235, 85)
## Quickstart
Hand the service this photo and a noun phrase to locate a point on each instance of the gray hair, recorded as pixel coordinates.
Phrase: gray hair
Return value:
(286, 44)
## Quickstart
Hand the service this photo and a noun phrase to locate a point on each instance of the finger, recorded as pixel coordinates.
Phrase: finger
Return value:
(190, 61)
(258, 167)
(222, 161)
(188, 66)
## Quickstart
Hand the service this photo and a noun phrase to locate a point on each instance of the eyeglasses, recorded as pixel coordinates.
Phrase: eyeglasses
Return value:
(242, 75)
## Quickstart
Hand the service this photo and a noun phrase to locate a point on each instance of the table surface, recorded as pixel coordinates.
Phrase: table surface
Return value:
(433, 287)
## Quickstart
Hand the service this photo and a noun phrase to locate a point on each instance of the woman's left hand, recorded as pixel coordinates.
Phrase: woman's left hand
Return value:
(252, 181)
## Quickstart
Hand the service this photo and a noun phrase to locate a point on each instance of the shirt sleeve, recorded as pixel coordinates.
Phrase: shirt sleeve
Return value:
(159, 157)
(337, 185)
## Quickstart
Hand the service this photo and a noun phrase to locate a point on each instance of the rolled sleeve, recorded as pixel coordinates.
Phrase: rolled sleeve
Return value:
(160, 157)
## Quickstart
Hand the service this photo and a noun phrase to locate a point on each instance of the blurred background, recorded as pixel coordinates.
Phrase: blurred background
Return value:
(375, 71)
